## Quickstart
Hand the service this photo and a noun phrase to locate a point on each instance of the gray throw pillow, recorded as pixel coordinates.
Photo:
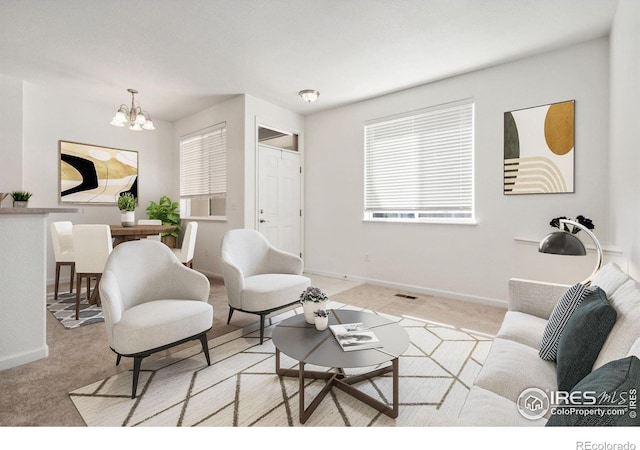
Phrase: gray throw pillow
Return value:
(614, 387)
(583, 337)
(560, 315)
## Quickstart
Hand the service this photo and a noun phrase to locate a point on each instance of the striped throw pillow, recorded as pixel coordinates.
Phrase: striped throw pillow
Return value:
(560, 315)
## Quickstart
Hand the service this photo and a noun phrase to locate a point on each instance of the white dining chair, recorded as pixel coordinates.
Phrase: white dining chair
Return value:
(92, 245)
(62, 240)
(155, 237)
(186, 251)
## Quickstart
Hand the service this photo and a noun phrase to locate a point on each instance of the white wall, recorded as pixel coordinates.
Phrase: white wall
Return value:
(49, 116)
(472, 261)
(625, 139)
(207, 252)
(242, 114)
(10, 136)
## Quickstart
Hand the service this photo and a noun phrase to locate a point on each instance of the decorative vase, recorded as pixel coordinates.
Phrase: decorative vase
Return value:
(20, 204)
(309, 308)
(321, 323)
(128, 218)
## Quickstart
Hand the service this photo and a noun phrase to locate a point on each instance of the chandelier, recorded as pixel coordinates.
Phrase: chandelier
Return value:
(137, 119)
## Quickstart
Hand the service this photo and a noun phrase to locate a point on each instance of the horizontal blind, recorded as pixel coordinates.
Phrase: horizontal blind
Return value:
(203, 162)
(422, 161)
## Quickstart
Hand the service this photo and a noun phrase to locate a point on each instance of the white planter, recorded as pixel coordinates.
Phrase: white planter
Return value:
(128, 218)
(321, 323)
(309, 308)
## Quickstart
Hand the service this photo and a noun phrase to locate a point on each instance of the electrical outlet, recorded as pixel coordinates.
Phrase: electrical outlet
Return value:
(367, 258)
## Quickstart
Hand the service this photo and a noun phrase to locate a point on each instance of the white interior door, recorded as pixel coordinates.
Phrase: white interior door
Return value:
(279, 199)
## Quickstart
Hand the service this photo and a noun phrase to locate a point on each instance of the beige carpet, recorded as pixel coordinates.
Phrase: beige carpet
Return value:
(240, 388)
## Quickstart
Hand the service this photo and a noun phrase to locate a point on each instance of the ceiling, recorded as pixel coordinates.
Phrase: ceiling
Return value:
(184, 56)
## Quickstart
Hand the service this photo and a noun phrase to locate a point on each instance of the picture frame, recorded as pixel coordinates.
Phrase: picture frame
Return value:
(95, 174)
(539, 149)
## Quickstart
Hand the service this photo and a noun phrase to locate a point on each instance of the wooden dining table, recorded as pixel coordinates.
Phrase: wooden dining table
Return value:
(122, 234)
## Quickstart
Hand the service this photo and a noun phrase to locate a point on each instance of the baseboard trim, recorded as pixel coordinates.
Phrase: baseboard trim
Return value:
(20, 359)
(411, 288)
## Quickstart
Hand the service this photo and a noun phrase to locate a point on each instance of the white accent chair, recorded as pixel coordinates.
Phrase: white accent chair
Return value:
(62, 240)
(152, 302)
(186, 251)
(259, 278)
(92, 244)
(155, 237)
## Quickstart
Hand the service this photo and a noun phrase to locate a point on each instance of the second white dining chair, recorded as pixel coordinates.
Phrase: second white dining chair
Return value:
(92, 245)
(186, 251)
(62, 240)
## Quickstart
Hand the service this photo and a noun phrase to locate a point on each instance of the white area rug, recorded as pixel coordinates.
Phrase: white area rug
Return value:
(240, 387)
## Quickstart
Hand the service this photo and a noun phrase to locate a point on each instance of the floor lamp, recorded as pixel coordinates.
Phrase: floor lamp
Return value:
(565, 243)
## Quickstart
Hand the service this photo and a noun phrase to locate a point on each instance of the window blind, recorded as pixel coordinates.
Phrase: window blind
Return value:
(203, 162)
(421, 162)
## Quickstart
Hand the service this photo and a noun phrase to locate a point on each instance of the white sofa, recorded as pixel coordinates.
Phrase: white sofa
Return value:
(513, 364)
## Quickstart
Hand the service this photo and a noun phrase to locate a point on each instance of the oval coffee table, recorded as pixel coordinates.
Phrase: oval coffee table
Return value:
(301, 341)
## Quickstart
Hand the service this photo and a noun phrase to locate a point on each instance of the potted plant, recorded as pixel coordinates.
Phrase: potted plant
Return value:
(20, 198)
(127, 207)
(168, 212)
(321, 319)
(312, 299)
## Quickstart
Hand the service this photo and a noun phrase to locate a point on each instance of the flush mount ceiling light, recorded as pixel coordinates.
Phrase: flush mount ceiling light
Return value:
(137, 119)
(309, 95)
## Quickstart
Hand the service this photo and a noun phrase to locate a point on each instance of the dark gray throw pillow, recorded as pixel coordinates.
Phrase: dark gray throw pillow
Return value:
(614, 387)
(583, 337)
(560, 315)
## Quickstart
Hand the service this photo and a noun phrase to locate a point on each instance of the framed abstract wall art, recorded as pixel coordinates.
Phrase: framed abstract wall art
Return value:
(93, 174)
(539, 149)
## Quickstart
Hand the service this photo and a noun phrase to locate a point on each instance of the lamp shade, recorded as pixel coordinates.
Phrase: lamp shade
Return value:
(562, 243)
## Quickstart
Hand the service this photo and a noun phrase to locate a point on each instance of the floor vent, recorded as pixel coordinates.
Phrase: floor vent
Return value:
(406, 296)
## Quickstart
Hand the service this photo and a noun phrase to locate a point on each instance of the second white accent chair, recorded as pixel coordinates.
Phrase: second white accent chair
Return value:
(186, 251)
(62, 240)
(92, 245)
(258, 277)
(155, 237)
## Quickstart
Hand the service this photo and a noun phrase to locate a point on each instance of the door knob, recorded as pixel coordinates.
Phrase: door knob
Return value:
(263, 220)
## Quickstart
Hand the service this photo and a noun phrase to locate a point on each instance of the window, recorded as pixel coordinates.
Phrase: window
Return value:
(203, 173)
(419, 165)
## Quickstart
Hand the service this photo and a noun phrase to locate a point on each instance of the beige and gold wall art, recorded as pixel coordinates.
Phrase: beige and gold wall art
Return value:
(539, 149)
(93, 174)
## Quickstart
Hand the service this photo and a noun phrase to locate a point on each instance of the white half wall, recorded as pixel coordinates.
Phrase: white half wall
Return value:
(470, 262)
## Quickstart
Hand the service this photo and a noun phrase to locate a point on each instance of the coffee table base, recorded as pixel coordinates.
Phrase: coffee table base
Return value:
(343, 382)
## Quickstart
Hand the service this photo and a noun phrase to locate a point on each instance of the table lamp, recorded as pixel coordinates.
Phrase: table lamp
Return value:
(565, 243)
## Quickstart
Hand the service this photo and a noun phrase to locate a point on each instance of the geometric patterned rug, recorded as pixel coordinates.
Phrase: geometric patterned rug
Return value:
(64, 309)
(241, 389)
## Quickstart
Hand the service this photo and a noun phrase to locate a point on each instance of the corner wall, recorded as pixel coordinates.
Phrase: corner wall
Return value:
(468, 262)
(625, 139)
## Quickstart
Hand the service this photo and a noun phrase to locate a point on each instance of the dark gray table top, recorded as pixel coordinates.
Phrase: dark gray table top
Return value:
(301, 341)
